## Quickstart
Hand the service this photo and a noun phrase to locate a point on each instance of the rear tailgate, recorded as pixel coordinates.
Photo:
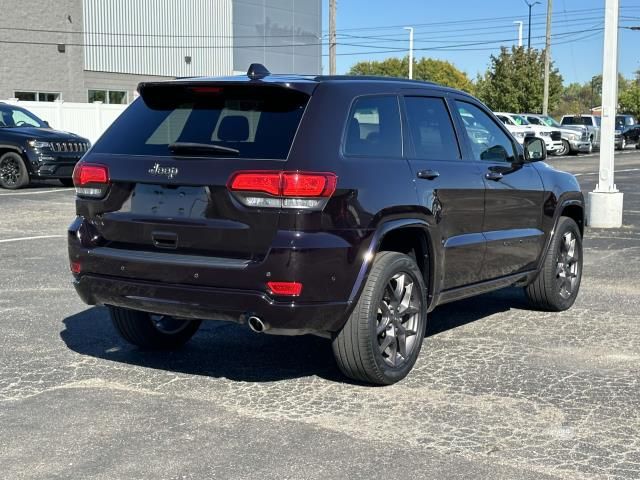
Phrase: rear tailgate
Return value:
(164, 202)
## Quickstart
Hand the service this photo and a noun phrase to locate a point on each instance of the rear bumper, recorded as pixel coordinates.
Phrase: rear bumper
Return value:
(187, 301)
(206, 287)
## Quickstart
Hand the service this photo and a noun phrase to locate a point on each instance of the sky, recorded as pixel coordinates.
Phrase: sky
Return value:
(467, 32)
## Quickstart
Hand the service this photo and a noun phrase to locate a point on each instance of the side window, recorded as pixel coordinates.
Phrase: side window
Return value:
(431, 129)
(488, 142)
(373, 127)
(535, 120)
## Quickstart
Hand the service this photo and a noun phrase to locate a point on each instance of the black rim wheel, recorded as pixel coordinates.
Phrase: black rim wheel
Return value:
(10, 172)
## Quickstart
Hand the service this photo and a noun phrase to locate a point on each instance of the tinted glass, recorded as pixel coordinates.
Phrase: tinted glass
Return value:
(431, 129)
(488, 141)
(259, 122)
(373, 128)
(26, 96)
(535, 121)
(17, 117)
(97, 96)
(577, 121)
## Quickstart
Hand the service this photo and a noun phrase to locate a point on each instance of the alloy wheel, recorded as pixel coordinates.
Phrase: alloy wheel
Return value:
(568, 265)
(10, 171)
(398, 320)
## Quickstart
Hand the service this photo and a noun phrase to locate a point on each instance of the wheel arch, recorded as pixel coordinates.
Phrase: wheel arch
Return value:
(410, 236)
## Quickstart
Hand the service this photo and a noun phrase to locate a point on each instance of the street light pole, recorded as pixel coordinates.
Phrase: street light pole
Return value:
(519, 24)
(605, 202)
(530, 5)
(547, 59)
(332, 37)
(410, 51)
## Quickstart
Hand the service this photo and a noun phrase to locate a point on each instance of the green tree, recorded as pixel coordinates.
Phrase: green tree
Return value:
(427, 69)
(514, 82)
(629, 100)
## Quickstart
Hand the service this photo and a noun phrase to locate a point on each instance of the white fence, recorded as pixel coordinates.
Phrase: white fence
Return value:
(87, 119)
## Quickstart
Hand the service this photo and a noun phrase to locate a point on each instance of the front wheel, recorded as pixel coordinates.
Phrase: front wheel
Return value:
(147, 330)
(382, 338)
(565, 149)
(13, 172)
(556, 287)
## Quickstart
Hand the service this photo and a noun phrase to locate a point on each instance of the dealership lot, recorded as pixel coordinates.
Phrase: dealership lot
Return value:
(498, 392)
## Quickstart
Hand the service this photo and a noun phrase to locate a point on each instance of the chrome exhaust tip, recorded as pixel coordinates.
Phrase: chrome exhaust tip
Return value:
(256, 324)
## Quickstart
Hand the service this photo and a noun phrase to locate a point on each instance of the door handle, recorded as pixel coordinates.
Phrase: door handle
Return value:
(495, 176)
(428, 174)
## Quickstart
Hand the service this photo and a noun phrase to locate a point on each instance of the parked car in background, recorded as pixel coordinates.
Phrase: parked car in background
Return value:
(579, 122)
(551, 136)
(627, 131)
(573, 141)
(30, 149)
(632, 136)
(345, 207)
(519, 132)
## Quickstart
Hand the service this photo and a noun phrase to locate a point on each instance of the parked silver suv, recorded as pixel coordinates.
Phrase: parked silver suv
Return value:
(590, 123)
(573, 141)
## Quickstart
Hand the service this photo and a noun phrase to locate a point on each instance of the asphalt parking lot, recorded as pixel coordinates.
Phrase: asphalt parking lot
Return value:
(499, 392)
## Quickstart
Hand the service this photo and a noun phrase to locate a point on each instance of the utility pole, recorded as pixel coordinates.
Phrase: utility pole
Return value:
(605, 202)
(410, 51)
(530, 5)
(519, 24)
(332, 37)
(547, 59)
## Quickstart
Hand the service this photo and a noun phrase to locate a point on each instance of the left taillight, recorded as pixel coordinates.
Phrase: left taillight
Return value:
(91, 180)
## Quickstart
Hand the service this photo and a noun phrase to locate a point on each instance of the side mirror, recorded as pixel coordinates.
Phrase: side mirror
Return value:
(534, 149)
(46, 124)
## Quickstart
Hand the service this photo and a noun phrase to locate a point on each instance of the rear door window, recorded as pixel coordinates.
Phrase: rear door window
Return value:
(431, 129)
(373, 127)
(258, 122)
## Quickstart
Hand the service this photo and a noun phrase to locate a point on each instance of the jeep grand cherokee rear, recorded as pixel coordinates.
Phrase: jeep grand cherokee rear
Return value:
(334, 206)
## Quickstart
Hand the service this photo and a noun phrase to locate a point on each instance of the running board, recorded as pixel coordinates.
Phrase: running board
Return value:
(455, 294)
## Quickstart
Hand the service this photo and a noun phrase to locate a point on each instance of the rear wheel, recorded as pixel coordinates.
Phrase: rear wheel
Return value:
(13, 172)
(556, 286)
(382, 338)
(147, 330)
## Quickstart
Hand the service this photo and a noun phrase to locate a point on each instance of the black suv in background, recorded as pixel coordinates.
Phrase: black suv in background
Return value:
(346, 207)
(30, 149)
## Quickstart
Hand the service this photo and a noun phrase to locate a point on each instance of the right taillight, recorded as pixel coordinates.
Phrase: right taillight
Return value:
(90, 180)
(269, 189)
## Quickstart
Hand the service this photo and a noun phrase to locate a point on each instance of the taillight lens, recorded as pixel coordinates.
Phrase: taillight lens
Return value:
(90, 180)
(269, 189)
(285, 289)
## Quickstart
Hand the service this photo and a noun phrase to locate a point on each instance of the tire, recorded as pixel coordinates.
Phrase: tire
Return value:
(556, 287)
(564, 150)
(66, 182)
(13, 171)
(154, 332)
(362, 349)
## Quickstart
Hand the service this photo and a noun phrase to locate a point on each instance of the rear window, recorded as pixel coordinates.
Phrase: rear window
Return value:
(258, 122)
(577, 121)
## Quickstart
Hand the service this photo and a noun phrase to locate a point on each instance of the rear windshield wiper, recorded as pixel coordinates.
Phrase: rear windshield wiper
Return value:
(187, 147)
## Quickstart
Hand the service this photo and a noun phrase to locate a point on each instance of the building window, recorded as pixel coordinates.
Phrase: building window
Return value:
(37, 96)
(108, 96)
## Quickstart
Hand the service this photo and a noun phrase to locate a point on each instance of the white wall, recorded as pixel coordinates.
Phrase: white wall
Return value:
(87, 119)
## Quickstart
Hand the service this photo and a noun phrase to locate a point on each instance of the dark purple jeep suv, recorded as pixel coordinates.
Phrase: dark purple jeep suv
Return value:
(345, 207)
